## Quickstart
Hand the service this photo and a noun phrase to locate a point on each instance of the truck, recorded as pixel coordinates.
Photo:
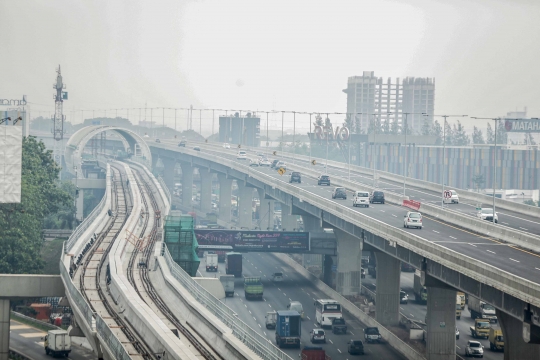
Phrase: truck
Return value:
(480, 329)
(233, 264)
(461, 299)
(253, 288)
(339, 326)
(211, 262)
(228, 284)
(458, 307)
(482, 310)
(288, 328)
(496, 339)
(270, 319)
(57, 343)
(420, 291)
(221, 256)
(313, 353)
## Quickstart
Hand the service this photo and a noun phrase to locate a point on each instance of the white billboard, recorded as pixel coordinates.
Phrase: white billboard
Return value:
(10, 161)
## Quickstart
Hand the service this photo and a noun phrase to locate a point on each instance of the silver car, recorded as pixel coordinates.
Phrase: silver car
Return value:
(487, 214)
(412, 219)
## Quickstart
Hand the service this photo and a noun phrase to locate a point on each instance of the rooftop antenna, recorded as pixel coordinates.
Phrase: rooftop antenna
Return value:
(59, 117)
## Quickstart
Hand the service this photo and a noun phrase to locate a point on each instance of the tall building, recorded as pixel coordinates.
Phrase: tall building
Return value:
(241, 130)
(369, 97)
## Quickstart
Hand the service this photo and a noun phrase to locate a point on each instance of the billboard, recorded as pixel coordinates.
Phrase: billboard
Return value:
(11, 133)
(259, 241)
(522, 125)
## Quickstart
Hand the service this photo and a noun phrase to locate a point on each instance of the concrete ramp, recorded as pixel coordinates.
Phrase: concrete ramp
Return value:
(212, 285)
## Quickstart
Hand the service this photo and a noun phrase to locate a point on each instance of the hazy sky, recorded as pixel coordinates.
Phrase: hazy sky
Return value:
(282, 55)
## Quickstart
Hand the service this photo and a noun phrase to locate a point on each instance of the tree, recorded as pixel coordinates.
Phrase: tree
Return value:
(490, 136)
(479, 180)
(449, 135)
(460, 136)
(64, 218)
(318, 121)
(350, 123)
(21, 224)
(395, 128)
(386, 126)
(375, 126)
(477, 136)
(426, 127)
(437, 131)
(529, 140)
(502, 135)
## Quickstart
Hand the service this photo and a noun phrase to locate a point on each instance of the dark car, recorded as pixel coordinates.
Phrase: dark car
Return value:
(274, 163)
(355, 347)
(158, 141)
(372, 334)
(339, 326)
(182, 143)
(196, 148)
(376, 197)
(323, 180)
(295, 177)
(339, 193)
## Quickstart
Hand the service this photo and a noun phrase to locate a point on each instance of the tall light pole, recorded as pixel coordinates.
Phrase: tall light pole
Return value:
(310, 138)
(282, 120)
(294, 138)
(326, 135)
(267, 143)
(444, 151)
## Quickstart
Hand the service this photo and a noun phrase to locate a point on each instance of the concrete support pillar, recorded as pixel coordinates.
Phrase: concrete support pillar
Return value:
(225, 192)
(168, 173)
(79, 205)
(387, 301)
(312, 224)
(206, 190)
(327, 269)
(514, 345)
(4, 329)
(187, 184)
(266, 212)
(245, 206)
(441, 323)
(349, 263)
(288, 220)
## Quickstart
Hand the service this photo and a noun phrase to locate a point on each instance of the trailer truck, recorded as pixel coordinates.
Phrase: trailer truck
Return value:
(420, 291)
(482, 310)
(233, 264)
(253, 287)
(288, 328)
(57, 343)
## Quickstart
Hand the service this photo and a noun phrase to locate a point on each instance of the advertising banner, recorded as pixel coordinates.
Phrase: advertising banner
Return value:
(522, 125)
(255, 241)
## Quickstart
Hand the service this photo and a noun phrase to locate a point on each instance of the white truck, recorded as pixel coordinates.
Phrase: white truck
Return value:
(212, 262)
(480, 309)
(228, 284)
(57, 343)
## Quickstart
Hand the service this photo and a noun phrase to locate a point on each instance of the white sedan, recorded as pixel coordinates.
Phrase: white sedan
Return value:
(226, 146)
(264, 162)
(487, 214)
(412, 219)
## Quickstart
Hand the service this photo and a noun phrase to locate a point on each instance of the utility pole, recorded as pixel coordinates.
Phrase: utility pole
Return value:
(59, 117)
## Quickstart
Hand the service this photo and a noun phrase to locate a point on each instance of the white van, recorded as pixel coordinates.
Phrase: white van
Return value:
(296, 306)
(360, 198)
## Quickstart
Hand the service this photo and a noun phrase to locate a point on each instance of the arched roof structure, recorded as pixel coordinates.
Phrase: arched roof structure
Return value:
(74, 148)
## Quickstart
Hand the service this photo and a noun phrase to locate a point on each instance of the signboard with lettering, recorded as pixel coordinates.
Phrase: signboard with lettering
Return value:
(330, 133)
(522, 125)
(256, 241)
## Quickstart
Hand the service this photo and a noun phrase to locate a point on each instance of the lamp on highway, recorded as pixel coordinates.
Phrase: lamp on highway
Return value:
(444, 151)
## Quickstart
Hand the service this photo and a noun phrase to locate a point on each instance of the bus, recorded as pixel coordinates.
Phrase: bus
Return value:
(326, 310)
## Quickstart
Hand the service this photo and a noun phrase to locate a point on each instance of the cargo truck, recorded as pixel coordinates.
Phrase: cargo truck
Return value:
(270, 319)
(57, 343)
(233, 264)
(288, 328)
(420, 291)
(496, 339)
(480, 329)
(482, 310)
(313, 353)
(211, 262)
(458, 307)
(228, 284)
(253, 288)
(461, 299)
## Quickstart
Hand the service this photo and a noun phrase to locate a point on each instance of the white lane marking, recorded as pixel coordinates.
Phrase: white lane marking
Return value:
(331, 342)
(435, 231)
(284, 294)
(249, 311)
(522, 228)
(254, 318)
(245, 305)
(537, 268)
(402, 308)
(473, 245)
(458, 347)
(308, 318)
(351, 332)
(290, 299)
(493, 252)
(382, 210)
(505, 223)
(269, 305)
(264, 333)
(411, 315)
(394, 215)
(339, 351)
(451, 237)
(260, 325)
(514, 260)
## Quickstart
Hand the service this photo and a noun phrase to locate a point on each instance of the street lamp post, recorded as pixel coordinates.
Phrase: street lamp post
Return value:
(326, 135)
(310, 138)
(294, 138)
(444, 151)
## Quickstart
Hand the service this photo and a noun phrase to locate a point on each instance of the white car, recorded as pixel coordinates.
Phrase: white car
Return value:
(241, 155)
(277, 276)
(226, 146)
(412, 219)
(264, 162)
(360, 198)
(487, 214)
(457, 333)
(474, 349)
(282, 165)
(453, 199)
(253, 162)
(317, 335)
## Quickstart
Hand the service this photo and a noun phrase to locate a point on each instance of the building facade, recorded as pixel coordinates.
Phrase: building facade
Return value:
(240, 130)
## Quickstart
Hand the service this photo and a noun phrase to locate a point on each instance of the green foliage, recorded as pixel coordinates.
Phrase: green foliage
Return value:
(490, 135)
(438, 132)
(64, 218)
(448, 134)
(460, 136)
(427, 128)
(529, 140)
(502, 135)
(531, 202)
(21, 224)
(479, 180)
(477, 136)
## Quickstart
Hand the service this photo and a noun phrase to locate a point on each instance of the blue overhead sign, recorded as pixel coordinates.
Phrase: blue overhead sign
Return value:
(245, 241)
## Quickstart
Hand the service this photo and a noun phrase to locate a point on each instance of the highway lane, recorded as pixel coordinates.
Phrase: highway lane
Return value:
(27, 341)
(479, 247)
(416, 311)
(278, 295)
(507, 218)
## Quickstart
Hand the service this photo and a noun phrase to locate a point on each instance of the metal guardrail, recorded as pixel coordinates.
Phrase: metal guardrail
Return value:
(76, 297)
(111, 341)
(251, 338)
(35, 321)
(85, 224)
(57, 233)
(165, 188)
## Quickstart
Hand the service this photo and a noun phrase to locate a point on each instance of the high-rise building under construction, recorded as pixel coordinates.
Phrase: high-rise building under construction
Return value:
(370, 98)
